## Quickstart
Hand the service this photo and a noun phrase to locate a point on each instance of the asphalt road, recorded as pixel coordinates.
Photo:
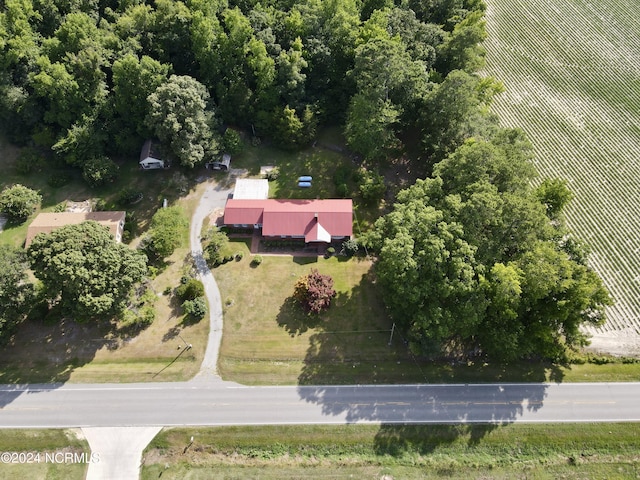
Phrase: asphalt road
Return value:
(223, 403)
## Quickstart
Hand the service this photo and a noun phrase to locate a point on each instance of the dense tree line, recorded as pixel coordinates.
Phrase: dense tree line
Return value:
(86, 79)
(476, 259)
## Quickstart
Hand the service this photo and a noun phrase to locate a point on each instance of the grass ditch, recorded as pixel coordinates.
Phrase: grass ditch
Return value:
(51, 445)
(398, 451)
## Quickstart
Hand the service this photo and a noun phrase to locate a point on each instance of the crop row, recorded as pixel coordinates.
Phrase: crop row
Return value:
(571, 69)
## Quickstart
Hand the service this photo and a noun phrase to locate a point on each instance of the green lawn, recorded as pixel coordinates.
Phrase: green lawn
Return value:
(268, 339)
(571, 451)
(44, 449)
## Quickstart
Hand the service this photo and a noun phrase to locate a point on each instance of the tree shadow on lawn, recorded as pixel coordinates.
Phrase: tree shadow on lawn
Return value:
(399, 440)
(352, 345)
(49, 351)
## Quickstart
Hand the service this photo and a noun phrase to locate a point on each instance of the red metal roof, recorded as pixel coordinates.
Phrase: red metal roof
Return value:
(293, 217)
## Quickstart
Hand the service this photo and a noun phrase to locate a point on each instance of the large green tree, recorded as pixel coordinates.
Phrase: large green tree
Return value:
(473, 259)
(134, 79)
(168, 227)
(455, 110)
(83, 269)
(15, 289)
(180, 117)
(18, 202)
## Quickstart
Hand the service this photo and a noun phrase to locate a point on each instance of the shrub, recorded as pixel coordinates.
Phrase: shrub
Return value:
(273, 174)
(372, 187)
(128, 196)
(331, 250)
(146, 316)
(350, 247)
(231, 142)
(29, 161)
(256, 260)
(217, 241)
(314, 291)
(101, 205)
(60, 207)
(138, 321)
(190, 290)
(239, 256)
(196, 308)
(99, 171)
(18, 202)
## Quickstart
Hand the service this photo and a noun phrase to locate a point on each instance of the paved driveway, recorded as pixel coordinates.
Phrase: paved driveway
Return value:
(215, 196)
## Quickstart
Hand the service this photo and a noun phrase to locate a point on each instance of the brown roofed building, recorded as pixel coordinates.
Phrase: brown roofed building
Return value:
(48, 222)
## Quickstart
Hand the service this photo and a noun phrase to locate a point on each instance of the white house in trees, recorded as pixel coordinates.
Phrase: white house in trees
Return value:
(150, 157)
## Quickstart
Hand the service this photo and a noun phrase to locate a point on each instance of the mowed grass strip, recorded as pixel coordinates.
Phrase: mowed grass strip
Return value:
(401, 451)
(53, 442)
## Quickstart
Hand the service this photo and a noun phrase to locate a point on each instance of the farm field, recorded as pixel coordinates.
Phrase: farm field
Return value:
(571, 69)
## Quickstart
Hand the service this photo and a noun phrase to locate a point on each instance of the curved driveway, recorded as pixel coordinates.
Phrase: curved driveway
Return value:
(213, 197)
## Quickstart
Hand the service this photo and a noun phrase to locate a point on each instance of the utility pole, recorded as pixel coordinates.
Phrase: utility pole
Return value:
(393, 327)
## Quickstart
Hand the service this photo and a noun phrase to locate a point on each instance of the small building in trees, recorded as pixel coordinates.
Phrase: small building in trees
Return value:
(314, 221)
(150, 156)
(48, 222)
(221, 164)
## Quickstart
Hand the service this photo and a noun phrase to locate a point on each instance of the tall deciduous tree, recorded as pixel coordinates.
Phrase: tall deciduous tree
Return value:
(471, 258)
(167, 230)
(134, 79)
(179, 116)
(18, 202)
(82, 268)
(455, 110)
(15, 289)
(428, 275)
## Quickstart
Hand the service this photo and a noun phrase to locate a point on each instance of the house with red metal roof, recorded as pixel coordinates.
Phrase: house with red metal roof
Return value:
(311, 220)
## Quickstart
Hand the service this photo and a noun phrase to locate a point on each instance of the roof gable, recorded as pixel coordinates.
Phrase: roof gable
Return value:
(293, 217)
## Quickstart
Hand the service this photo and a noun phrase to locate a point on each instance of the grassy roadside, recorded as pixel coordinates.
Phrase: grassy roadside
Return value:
(371, 451)
(46, 450)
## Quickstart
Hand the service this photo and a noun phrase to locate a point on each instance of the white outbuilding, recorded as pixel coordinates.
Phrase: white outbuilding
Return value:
(150, 157)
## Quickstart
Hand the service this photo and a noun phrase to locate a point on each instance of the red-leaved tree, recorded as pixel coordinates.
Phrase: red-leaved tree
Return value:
(314, 291)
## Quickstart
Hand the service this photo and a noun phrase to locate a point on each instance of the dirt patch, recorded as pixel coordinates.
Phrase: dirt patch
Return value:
(216, 217)
(625, 343)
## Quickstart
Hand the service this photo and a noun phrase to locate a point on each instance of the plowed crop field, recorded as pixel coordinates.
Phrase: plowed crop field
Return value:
(571, 69)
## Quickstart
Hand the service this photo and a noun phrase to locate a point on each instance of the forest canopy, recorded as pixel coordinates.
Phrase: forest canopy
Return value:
(84, 79)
